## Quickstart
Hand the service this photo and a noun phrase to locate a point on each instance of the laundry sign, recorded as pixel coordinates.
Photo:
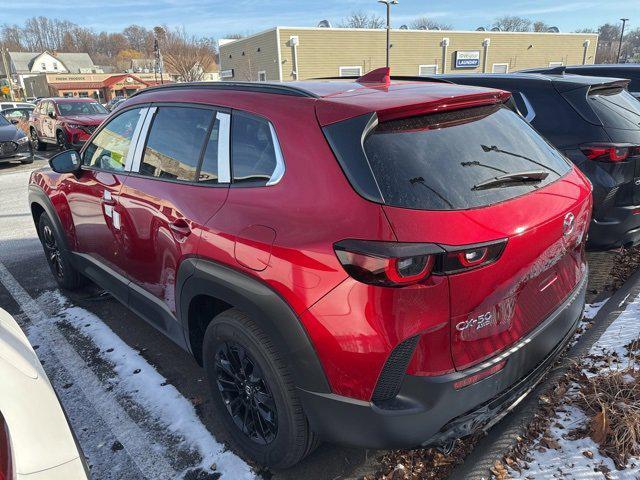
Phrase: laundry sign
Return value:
(467, 58)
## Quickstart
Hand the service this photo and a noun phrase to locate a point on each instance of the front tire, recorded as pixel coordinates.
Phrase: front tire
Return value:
(35, 141)
(57, 258)
(253, 392)
(61, 140)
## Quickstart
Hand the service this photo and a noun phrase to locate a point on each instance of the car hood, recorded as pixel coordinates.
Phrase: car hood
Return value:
(9, 132)
(96, 119)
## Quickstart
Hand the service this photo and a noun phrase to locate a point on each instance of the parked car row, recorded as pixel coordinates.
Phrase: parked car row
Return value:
(378, 263)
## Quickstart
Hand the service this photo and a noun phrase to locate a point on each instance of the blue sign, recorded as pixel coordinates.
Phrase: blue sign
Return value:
(467, 59)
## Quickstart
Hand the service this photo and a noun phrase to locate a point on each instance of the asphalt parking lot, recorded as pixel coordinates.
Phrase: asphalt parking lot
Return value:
(138, 404)
(126, 429)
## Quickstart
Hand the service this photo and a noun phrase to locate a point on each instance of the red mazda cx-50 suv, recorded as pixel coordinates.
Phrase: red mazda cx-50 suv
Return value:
(375, 263)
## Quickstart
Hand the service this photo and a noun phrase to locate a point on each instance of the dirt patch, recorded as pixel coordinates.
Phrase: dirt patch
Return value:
(625, 263)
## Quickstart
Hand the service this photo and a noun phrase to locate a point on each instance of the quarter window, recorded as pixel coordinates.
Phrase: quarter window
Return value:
(253, 152)
(109, 149)
(175, 142)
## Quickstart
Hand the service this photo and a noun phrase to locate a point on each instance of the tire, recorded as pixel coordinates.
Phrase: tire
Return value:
(58, 259)
(27, 161)
(61, 141)
(232, 334)
(35, 141)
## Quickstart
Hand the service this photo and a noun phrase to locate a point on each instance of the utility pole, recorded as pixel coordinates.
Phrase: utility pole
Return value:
(624, 21)
(159, 34)
(7, 71)
(388, 4)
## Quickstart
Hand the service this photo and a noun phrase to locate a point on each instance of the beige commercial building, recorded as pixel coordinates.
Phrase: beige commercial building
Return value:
(288, 53)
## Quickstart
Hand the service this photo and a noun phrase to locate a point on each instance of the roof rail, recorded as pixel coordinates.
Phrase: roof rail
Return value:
(407, 78)
(277, 88)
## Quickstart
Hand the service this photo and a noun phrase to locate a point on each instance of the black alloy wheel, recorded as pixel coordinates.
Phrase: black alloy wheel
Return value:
(245, 393)
(60, 140)
(52, 252)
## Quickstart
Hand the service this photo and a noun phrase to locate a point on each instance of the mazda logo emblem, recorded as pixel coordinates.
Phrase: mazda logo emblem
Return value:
(568, 224)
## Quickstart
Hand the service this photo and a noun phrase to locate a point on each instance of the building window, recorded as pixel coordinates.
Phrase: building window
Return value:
(500, 68)
(556, 64)
(67, 94)
(55, 65)
(43, 66)
(426, 70)
(83, 94)
(355, 71)
(262, 76)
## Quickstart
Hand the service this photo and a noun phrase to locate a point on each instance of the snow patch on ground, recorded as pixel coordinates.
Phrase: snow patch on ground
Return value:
(572, 460)
(162, 401)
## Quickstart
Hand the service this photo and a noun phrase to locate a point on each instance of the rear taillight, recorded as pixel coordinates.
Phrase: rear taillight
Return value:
(395, 264)
(6, 467)
(610, 153)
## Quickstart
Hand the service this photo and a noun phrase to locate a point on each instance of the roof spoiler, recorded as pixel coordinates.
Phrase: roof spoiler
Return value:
(382, 76)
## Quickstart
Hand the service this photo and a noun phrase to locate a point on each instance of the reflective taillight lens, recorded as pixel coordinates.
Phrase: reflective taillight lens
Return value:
(610, 153)
(395, 264)
(474, 256)
(6, 468)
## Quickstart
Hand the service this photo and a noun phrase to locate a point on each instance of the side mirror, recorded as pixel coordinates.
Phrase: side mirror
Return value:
(66, 162)
(52, 115)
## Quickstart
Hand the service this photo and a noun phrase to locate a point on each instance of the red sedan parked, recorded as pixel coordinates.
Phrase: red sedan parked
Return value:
(383, 264)
(65, 122)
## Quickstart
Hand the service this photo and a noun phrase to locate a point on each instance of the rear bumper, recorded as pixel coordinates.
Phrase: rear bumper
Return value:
(430, 411)
(619, 228)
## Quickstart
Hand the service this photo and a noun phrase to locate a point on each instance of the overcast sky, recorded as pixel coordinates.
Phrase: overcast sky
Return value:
(215, 18)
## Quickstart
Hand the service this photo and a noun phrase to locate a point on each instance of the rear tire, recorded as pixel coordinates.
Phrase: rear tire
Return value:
(58, 259)
(35, 141)
(247, 373)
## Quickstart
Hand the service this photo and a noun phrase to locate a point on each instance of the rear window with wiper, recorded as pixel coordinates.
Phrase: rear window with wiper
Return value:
(615, 107)
(462, 159)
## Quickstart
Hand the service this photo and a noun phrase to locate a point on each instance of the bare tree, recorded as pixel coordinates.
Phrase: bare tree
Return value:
(190, 57)
(512, 23)
(139, 38)
(540, 26)
(425, 23)
(362, 19)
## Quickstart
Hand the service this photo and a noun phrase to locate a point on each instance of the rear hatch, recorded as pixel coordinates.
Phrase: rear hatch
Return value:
(478, 175)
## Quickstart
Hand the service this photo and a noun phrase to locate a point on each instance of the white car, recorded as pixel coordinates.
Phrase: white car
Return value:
(7, 105)
(36, 442)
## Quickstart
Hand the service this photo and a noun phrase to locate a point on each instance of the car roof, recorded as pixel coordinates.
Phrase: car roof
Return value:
(68, 99)
(339, 100)
(563, 82)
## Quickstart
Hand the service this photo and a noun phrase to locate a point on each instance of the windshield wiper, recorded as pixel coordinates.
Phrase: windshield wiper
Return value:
(533, 176)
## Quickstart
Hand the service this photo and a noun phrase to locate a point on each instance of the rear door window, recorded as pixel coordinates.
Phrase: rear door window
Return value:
(175, 143)
(616, 108)
(440, 162)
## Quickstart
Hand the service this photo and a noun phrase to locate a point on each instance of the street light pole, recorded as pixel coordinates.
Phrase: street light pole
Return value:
(388, 4)
(624, 21)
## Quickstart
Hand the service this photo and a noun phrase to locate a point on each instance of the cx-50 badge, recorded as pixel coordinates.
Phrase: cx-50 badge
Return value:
(568, 224)
(479, 322)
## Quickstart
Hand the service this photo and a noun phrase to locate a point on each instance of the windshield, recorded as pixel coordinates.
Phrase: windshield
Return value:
(80, 108)
(616, 108)
(451, 160)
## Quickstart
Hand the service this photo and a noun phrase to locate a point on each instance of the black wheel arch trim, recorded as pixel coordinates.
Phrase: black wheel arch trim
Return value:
(39, 197)
(265, 306)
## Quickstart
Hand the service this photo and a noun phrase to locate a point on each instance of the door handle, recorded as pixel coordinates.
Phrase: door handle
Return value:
(180, 227)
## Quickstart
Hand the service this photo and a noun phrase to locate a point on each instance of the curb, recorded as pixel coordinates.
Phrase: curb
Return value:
(477, 465)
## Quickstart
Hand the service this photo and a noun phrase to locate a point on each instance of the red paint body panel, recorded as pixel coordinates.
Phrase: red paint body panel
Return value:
(152, 248)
